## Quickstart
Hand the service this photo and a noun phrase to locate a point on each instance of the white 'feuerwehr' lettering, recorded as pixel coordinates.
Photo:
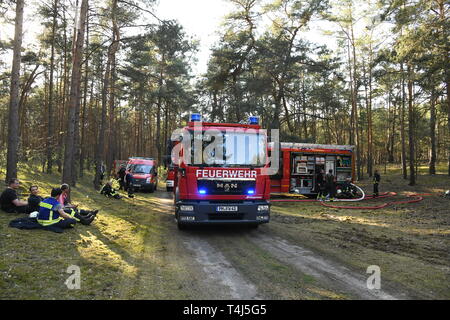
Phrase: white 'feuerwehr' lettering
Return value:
(208, 173)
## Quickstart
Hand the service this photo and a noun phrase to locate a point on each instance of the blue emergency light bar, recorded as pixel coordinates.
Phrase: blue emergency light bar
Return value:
(253, 120)
(196, 117)
(202, 191)
(250, 191)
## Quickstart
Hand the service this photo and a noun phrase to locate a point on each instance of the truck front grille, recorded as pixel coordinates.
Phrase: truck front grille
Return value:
(222, 187)
(225, 216)
(136, 180)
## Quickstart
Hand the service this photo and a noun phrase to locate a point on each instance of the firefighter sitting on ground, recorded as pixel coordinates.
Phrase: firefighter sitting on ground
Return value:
(51, 212)
(80, 215)
(109, 191)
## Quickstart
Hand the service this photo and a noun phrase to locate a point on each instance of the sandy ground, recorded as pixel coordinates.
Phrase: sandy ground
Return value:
(218, 271)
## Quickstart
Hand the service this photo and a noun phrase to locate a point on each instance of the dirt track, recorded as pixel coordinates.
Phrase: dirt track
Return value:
(223, 269)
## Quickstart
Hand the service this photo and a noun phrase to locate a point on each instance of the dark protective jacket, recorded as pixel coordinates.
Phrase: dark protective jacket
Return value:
(329, 179)
(121, 173)
(376, 178)
(319, 178)
(108, 191)
(47, 212)
(33, 202)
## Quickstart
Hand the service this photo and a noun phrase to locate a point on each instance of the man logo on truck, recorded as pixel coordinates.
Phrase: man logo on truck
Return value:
(227, 186)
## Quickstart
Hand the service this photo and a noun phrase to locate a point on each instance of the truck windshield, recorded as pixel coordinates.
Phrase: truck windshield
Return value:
(140, 168)
(230, 149)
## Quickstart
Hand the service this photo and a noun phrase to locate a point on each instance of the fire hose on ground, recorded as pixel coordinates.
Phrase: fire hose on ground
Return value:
(415, 198)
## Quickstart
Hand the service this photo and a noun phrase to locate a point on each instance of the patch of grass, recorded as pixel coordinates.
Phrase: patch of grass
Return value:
(121, 255)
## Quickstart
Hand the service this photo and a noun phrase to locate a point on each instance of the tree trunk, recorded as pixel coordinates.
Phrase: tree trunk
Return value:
(448, 123)
(23, 128)
(68, 174)
(158, 114)
(402, 126)
(412, 171)
(392, 137)
(13, 119)
(112, 128)
(354, 118)
(100, 152)
(62, 114)
(50, 124)
(83, 131)
(369, 122)
(432, 168)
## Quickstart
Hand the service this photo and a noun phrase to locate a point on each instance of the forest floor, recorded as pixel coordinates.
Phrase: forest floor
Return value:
(133, 250)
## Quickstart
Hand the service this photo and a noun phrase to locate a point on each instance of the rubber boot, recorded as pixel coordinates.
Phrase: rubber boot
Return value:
(87, 220)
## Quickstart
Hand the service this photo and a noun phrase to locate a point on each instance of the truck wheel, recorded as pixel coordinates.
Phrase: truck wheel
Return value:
(152, 188)
(253, 226)
(181, 226)
(175, 198)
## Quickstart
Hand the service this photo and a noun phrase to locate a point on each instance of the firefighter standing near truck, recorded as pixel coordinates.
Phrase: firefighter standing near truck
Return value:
(121, 177)
(129, 184)
(376, 182)
(320, 185)
(330, 185)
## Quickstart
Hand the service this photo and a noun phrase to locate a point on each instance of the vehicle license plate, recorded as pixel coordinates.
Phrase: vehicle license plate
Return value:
(227, 208)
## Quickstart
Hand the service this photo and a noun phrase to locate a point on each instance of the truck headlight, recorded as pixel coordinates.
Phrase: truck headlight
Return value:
(148, 180)
(186, 208)
(264, 207)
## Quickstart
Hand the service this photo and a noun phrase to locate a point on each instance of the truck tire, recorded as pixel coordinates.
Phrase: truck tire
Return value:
(152, 188)
(176, 196)
(253, 226)
(182, 226)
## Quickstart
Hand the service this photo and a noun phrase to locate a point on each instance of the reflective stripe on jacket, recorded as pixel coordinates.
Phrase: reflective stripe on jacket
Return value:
(72, 214)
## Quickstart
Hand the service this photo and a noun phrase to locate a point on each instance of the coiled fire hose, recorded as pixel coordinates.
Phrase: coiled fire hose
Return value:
(415, 198)
(344, 200)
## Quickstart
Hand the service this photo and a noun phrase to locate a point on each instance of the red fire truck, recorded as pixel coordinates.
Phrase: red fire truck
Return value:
(301, 162)
(144, 172)
(225, 184)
